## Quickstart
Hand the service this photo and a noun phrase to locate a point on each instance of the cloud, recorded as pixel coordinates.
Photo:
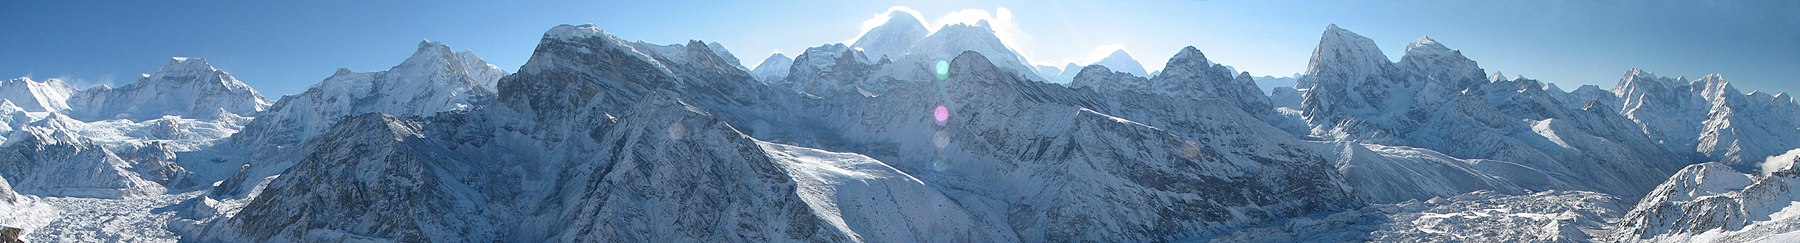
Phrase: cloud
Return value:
(1779, 162)
(1001, 20)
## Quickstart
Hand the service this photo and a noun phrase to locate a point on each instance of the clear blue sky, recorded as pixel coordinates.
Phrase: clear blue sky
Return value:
(280, 47)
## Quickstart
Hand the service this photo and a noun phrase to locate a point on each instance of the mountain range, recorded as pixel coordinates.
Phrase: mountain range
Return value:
(908, 134)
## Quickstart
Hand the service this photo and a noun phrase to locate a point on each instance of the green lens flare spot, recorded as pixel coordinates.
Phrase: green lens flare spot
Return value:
(943, 70)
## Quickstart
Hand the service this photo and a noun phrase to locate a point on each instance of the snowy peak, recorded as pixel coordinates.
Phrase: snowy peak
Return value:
(1340, 50)
(1426, 45)
(1428, 60)
(893, 38)
(951, 40)
(187, 66)
(774, 68)
(188, 87)
(49, 95)
(1122, 62)
(566, 32)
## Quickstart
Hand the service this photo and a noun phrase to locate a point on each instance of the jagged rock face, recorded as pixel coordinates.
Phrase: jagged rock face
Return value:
(1437, 99)
(829, 70)
(434, 79)
(1122, 62)
(773, 69)
(374, 176)
(1430, 61)
(997, 144)
(1710, 118)
(1710, 202)
(1190, 75)
(7, 195)
(186, 87)
(48, 162)
(1103, 79)
(1349, 76)
(50, 95)
(734, 188)
(892, 39)
(952, 40)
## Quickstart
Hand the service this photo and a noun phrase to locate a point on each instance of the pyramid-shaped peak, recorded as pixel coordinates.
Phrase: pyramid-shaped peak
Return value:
(1426, 44)
(1190, 53)
(186, 64)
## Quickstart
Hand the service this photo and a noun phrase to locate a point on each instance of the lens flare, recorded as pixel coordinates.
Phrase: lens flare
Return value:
(1190, 150)
(941, 114)
(940, 139)
(676, 131)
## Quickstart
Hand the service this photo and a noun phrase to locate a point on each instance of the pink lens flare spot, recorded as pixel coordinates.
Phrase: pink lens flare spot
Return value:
(941, 114)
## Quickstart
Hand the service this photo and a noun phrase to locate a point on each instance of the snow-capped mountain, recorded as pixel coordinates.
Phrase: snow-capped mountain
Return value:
(185, 86)
(951, 40)
(434, 79)
(1710, 117)
(1190, 75)
(773, 69)
(601, 138)
(1711, 202)
(1120, 61)
(893, 38)
(49, 95)
(1354, 93)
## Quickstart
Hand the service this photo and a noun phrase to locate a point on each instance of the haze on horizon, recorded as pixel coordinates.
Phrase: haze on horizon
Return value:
(281, 48)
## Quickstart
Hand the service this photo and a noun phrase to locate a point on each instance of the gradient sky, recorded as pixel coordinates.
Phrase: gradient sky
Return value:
(281, 47)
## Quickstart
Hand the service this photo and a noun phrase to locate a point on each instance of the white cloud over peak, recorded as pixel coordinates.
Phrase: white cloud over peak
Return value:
(881, 18)
(1001, 20)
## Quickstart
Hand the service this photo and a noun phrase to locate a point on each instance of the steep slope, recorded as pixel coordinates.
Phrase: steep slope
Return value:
(1710, 202)
(50, 95)
(48, 159)
(434, 79)
(1710, 118)
(737, 188)
(1190, 75)
(377, 177)
(951, 40)
(1122, 62)
(828, 70)
(1439, 100)
(893, 38)
(1039, 155)
(773, 69)
(187, 87)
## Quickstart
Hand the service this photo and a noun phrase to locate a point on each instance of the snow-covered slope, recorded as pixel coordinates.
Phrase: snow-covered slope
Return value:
(773, 69)
(49, 95)
(188, 87)
(1439, 100)
(434, 79)
(893, 38)
(1710, 202)
(1122, 62)
(1710, 117)
(1190, 75)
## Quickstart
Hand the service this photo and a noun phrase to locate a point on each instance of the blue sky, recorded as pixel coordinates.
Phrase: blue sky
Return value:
(280, 47)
